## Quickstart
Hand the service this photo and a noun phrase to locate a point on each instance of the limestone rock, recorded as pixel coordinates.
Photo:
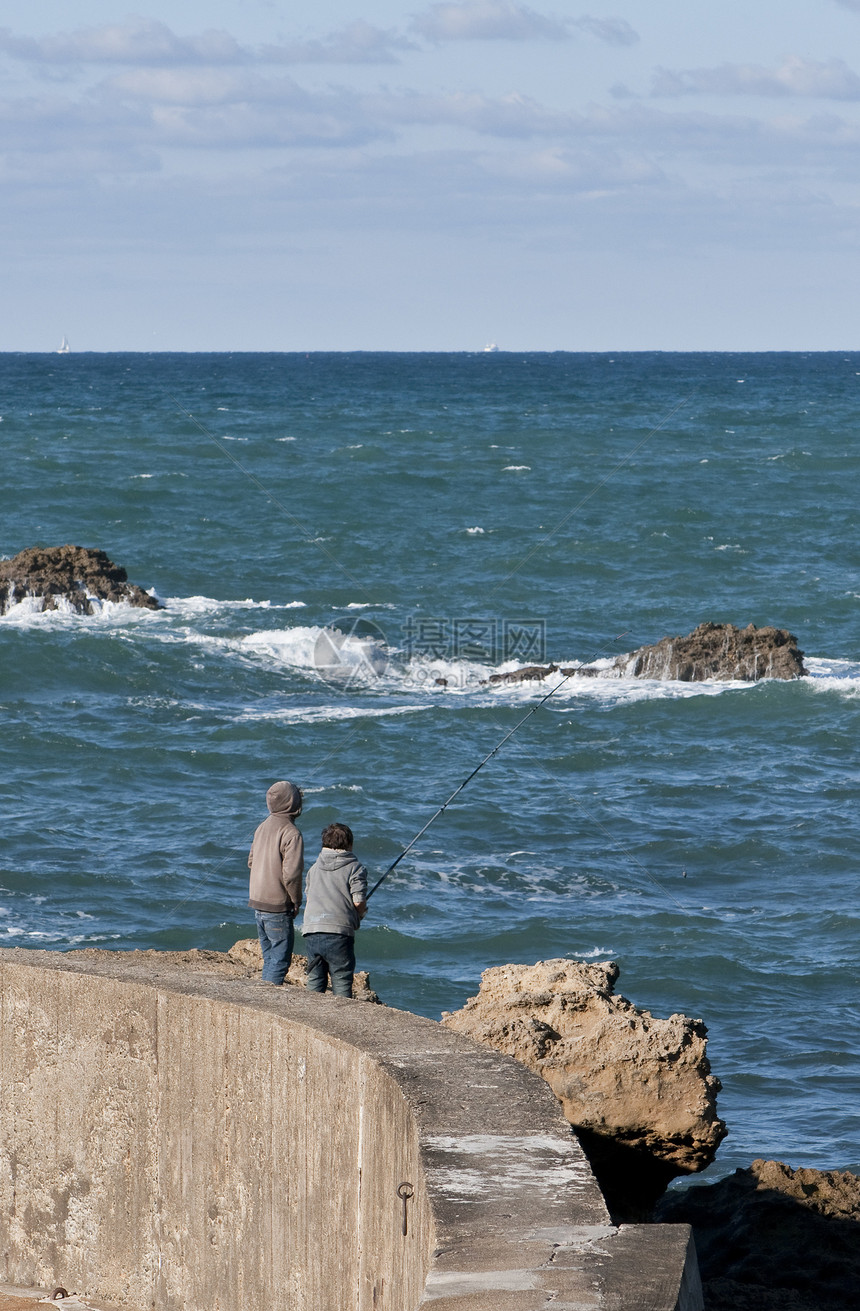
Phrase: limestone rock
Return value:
(75, 575)
(638, 1090)
(719, 651)
(771, 1238)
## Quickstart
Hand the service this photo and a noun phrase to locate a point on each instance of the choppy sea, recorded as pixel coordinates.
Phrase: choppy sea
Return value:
(346, 547)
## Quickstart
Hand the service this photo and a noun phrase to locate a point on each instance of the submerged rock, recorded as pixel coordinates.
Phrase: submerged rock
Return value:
(528, 674)
(771, 1238)
(719, 651)
(72, 575)
(638, 1090)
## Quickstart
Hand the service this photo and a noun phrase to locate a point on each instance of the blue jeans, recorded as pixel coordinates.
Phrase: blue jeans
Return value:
(276, 933)
(330, 954)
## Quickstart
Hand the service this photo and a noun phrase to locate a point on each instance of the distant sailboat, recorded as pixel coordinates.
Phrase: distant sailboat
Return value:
(65, 348)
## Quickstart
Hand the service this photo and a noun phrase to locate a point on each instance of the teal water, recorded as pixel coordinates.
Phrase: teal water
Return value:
(454, 515)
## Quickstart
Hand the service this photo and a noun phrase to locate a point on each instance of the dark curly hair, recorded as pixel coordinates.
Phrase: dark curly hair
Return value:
(338, 837)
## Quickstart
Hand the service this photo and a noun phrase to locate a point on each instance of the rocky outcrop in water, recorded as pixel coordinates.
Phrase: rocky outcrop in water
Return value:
(775, 1239)
(718, 651)
(68, 575)
(638, 1090)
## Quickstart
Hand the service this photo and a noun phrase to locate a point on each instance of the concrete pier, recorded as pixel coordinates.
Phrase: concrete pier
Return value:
(185, 1142)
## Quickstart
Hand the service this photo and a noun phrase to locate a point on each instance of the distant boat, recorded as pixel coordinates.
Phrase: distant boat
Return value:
(490, 346)
(65, 348)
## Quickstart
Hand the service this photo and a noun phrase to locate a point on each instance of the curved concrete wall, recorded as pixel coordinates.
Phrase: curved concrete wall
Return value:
(178, 1141)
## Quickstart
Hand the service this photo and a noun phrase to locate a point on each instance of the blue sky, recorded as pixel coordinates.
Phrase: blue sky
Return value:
(628, 175)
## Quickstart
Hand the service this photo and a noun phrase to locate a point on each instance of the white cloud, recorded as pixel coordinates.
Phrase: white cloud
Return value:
(504, 116)
(829, 80)
(136, 41)
(197, 86)
(357, 43)
(148, 42)
(614, 31)
(487, 20)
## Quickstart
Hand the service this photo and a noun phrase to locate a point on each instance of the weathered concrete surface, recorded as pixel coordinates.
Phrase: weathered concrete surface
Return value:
(177, 1140)
(637, 1088)
(244, 960)
(18, 1301)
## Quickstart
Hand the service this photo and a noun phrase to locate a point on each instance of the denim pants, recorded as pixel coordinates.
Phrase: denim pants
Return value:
(276, 933)
(330, 954)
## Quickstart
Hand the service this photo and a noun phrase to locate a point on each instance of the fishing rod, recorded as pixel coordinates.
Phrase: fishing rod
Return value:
(475, 771)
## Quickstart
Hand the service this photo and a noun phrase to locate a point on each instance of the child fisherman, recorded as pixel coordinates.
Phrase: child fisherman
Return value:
(336, 903)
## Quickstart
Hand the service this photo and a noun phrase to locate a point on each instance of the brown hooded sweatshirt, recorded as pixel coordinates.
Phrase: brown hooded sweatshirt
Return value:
(277, 854)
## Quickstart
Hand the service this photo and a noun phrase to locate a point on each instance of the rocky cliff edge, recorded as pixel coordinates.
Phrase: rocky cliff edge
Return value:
(638, 1090)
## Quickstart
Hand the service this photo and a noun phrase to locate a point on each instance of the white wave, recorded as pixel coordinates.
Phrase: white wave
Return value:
(819, 667)
(841, 676)
(191, 607)
(286, 646)
(162, 473)
(335, 656)
(324, 714)
(360, 665)
(333, 787)
(515, 468)
(28, 613)
(474, 532)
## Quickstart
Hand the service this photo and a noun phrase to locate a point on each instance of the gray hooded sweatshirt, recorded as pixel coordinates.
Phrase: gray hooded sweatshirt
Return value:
(277, 854)
(333, 880)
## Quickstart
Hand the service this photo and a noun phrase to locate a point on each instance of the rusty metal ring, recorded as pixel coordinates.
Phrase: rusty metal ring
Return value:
(403, 1195)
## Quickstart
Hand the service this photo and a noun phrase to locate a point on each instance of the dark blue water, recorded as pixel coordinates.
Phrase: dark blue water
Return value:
(454, 515)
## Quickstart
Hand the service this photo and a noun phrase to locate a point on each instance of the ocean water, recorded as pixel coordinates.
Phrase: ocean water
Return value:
(346, 546)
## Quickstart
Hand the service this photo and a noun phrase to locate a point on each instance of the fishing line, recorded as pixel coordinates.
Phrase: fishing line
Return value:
(628, 855)
(309, 538)
(478, 768)
(314, 541)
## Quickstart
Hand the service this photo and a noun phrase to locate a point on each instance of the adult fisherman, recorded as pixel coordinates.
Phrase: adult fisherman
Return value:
(276, 861)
